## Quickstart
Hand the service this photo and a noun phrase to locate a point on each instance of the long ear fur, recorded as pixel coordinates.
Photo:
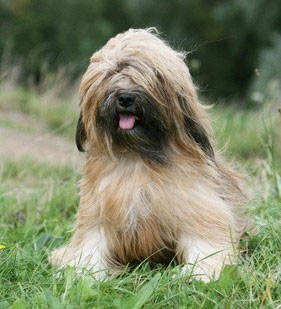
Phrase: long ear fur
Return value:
(80, 134)
(196, 131)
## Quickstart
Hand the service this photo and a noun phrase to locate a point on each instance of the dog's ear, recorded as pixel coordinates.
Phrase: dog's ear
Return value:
(196, 131)
(80, 134)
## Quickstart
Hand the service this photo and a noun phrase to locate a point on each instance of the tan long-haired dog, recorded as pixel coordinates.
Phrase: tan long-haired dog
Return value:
(153, 187)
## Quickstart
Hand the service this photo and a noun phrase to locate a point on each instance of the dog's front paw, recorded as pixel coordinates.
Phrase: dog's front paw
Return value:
(58, 257)
(194, 272)
(83, 262)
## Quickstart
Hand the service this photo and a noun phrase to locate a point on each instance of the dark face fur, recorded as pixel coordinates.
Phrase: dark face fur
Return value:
(131, 118)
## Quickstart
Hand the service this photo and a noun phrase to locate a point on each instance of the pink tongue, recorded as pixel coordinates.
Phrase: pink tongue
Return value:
(127, 122)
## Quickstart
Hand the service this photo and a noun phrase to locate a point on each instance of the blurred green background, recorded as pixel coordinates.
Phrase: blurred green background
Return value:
(228, 40)
(234, 57)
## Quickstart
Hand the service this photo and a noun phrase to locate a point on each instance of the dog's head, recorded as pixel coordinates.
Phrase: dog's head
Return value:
(137, 97)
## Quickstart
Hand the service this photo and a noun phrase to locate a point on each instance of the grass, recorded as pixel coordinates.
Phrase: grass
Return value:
(54, 102)
(38, 203)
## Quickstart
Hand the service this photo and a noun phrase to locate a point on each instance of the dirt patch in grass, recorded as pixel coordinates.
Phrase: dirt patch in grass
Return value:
(35, 143)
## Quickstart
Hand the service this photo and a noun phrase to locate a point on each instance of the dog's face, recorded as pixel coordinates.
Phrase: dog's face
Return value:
(137, 97)
(133, 120)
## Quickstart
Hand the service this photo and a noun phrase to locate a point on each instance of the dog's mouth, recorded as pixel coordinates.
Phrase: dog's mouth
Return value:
(127, 121)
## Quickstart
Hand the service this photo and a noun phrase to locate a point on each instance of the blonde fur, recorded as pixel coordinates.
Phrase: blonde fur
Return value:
(132, 208)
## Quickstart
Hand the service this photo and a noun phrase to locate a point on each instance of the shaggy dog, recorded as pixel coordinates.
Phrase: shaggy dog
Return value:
(154, 187)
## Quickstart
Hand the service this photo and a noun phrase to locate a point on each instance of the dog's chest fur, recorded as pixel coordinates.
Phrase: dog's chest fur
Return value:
(134, 214)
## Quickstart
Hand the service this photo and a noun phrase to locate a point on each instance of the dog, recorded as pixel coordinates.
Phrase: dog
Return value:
(154, 187)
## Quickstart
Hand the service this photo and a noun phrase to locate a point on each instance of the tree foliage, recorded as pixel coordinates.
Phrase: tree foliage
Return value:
(226, 38)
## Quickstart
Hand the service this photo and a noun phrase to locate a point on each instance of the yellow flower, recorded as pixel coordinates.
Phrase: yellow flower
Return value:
(2, 247)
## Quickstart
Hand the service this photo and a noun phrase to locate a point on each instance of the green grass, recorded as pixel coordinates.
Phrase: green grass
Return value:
(244, 133)
(38, 205)
(58, 112)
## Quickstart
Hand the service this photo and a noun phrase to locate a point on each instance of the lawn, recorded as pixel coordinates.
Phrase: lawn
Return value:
(38, 202)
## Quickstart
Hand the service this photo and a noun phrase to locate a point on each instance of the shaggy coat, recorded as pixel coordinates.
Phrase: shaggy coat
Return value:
(160, 189)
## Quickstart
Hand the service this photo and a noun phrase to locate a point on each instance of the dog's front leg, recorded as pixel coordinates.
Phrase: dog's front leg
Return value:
(203, 258)
(87, 250)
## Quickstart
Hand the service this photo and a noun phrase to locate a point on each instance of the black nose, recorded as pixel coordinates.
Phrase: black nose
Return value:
(126, 99)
